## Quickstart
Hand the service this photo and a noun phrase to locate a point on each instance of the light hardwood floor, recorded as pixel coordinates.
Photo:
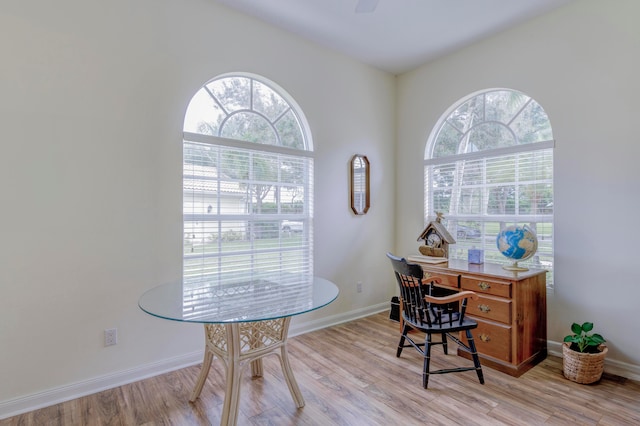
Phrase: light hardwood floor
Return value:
(349, 375)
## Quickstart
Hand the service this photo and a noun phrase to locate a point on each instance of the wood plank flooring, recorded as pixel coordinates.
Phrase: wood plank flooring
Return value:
(349, 375)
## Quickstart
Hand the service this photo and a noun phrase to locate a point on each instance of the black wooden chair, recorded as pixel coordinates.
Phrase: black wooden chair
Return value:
(430, 314)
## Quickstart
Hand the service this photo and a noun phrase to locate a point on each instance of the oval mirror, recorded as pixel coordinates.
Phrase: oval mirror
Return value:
(359, 184)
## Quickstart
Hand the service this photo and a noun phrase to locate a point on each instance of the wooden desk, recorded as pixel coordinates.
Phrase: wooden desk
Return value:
(511, 312)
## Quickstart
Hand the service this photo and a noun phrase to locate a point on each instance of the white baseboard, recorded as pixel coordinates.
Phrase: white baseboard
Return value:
(24, 404)
(611, 366)
(308, 326)
(15, 406)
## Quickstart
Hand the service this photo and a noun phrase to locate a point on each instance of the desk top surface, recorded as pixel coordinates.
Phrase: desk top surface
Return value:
(239, 299)
(489, 269)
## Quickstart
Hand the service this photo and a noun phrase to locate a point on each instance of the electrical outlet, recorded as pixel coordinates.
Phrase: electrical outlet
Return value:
(110, 336)
(359, 286)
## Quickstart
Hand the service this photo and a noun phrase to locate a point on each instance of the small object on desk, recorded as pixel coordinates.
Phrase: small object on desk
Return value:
(431, 251)
(476, 256)
(426, 259)
(436, 238)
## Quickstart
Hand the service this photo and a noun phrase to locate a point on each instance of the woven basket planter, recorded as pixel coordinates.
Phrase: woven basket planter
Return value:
(581, 367)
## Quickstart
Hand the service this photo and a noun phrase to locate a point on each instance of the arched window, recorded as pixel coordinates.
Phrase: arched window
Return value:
(247, 181)
(488, 164)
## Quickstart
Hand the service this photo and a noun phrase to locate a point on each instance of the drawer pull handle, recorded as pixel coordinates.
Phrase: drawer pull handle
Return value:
(427, 275)
(484, 337)
(484, 286)
(484, 308)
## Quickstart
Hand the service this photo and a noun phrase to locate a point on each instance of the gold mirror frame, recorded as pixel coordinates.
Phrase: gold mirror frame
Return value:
(359, 170)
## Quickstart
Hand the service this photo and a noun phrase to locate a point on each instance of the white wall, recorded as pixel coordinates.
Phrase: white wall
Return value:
(93, 95)
(581, 64)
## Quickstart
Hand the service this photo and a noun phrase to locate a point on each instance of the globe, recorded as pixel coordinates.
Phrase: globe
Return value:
(517, 243)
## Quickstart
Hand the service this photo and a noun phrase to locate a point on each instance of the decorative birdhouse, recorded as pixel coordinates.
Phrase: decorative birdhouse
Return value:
(436, 238)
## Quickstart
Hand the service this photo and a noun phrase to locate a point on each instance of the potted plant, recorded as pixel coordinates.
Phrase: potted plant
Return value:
(583, 354)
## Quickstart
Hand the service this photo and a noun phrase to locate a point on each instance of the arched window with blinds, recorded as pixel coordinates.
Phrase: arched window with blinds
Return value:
(489, 164)
(247, 181)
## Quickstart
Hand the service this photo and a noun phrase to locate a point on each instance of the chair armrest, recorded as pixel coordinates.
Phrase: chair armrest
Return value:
(452, 298)
(433, 279)
(426, 281)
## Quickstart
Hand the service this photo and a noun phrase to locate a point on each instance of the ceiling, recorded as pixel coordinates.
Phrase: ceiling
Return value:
(394, 35)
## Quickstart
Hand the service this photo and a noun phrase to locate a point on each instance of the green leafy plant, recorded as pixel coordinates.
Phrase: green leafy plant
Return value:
(581, 340)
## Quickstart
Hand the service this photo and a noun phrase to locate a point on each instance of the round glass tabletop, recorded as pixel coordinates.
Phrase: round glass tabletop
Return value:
(239, 299)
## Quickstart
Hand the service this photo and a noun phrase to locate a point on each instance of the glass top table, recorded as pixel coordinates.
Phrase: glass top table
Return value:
(239, 299)
(245, 318)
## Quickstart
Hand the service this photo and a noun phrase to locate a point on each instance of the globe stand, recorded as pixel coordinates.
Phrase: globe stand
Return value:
(514, 267)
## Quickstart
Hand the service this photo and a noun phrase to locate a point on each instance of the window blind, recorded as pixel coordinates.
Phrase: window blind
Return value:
(245, 210)
(479, 196)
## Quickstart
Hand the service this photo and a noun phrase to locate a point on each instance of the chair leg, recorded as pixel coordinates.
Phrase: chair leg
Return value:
(427, 360)
(444, 344)
(405, 329)
(474, 355)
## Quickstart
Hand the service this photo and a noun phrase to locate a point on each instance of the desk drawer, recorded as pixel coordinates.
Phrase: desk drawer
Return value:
(448, 280)
(493, 308)
(492, 339)
(480, 285)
